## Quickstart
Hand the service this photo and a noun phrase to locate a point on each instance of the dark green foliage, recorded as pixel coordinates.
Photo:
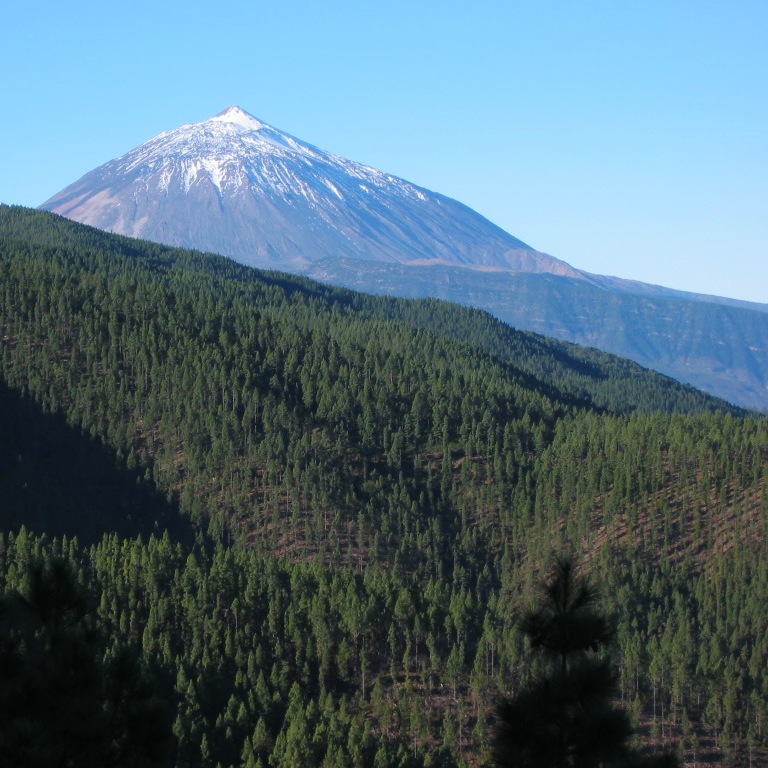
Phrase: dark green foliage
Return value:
(57, 479)
(568, 623)
(60, 702)
(370, 486)
(265, 659)
(565, 716)
(564, 720)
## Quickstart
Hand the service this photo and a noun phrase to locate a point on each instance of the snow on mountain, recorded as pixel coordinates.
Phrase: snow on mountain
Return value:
(237, 186)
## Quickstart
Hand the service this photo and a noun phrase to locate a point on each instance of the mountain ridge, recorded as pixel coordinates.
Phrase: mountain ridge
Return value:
(33, 229)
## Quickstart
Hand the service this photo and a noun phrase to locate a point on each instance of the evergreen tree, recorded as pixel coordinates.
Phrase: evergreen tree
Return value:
(564, 718)
(61, 703)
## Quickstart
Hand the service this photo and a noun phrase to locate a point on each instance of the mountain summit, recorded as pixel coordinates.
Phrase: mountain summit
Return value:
(237, 186)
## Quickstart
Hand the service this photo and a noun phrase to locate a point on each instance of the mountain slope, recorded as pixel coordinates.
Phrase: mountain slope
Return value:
(567, 372)
(383, 481)
(720, 348)
(236, 186)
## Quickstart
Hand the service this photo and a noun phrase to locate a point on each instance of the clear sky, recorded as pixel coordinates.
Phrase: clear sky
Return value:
(627, 138)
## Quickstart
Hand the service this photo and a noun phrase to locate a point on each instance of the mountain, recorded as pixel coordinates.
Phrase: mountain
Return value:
(236, 186)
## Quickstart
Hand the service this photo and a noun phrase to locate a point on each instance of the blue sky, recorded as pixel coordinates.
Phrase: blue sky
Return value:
(627, 138)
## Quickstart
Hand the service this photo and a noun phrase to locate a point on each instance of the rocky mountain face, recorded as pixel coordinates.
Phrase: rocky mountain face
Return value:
(236, 186)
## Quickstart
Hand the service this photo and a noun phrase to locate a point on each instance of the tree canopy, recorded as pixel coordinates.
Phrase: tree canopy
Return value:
(314, 514)
(62, 702)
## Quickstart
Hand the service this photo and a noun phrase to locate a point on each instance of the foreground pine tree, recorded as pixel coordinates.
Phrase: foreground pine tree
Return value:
(565, 717)
(61, 702)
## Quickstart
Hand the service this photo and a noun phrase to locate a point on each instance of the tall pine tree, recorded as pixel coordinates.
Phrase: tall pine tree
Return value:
(565, 718)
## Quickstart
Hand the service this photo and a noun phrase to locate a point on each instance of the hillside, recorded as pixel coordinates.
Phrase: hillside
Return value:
(611, 383)
(714, 344)
(372, 487)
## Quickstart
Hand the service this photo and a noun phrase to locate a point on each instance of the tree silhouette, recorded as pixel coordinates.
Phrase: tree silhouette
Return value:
(61, 703)
(565, 718)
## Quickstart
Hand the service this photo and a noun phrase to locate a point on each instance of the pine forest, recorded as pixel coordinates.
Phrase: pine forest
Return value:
(310, 521)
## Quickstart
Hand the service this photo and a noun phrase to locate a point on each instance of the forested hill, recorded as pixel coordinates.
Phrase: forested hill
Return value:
(600, 379)
(359, 493)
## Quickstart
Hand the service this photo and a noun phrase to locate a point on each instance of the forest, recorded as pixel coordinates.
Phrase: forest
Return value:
(316, 517)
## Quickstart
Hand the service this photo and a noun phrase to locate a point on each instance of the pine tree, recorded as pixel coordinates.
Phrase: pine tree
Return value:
(61, 703)
(564, 718)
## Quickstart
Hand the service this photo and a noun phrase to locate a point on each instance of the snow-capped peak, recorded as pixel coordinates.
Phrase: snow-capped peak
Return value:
(240, 117)
(234, 184)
